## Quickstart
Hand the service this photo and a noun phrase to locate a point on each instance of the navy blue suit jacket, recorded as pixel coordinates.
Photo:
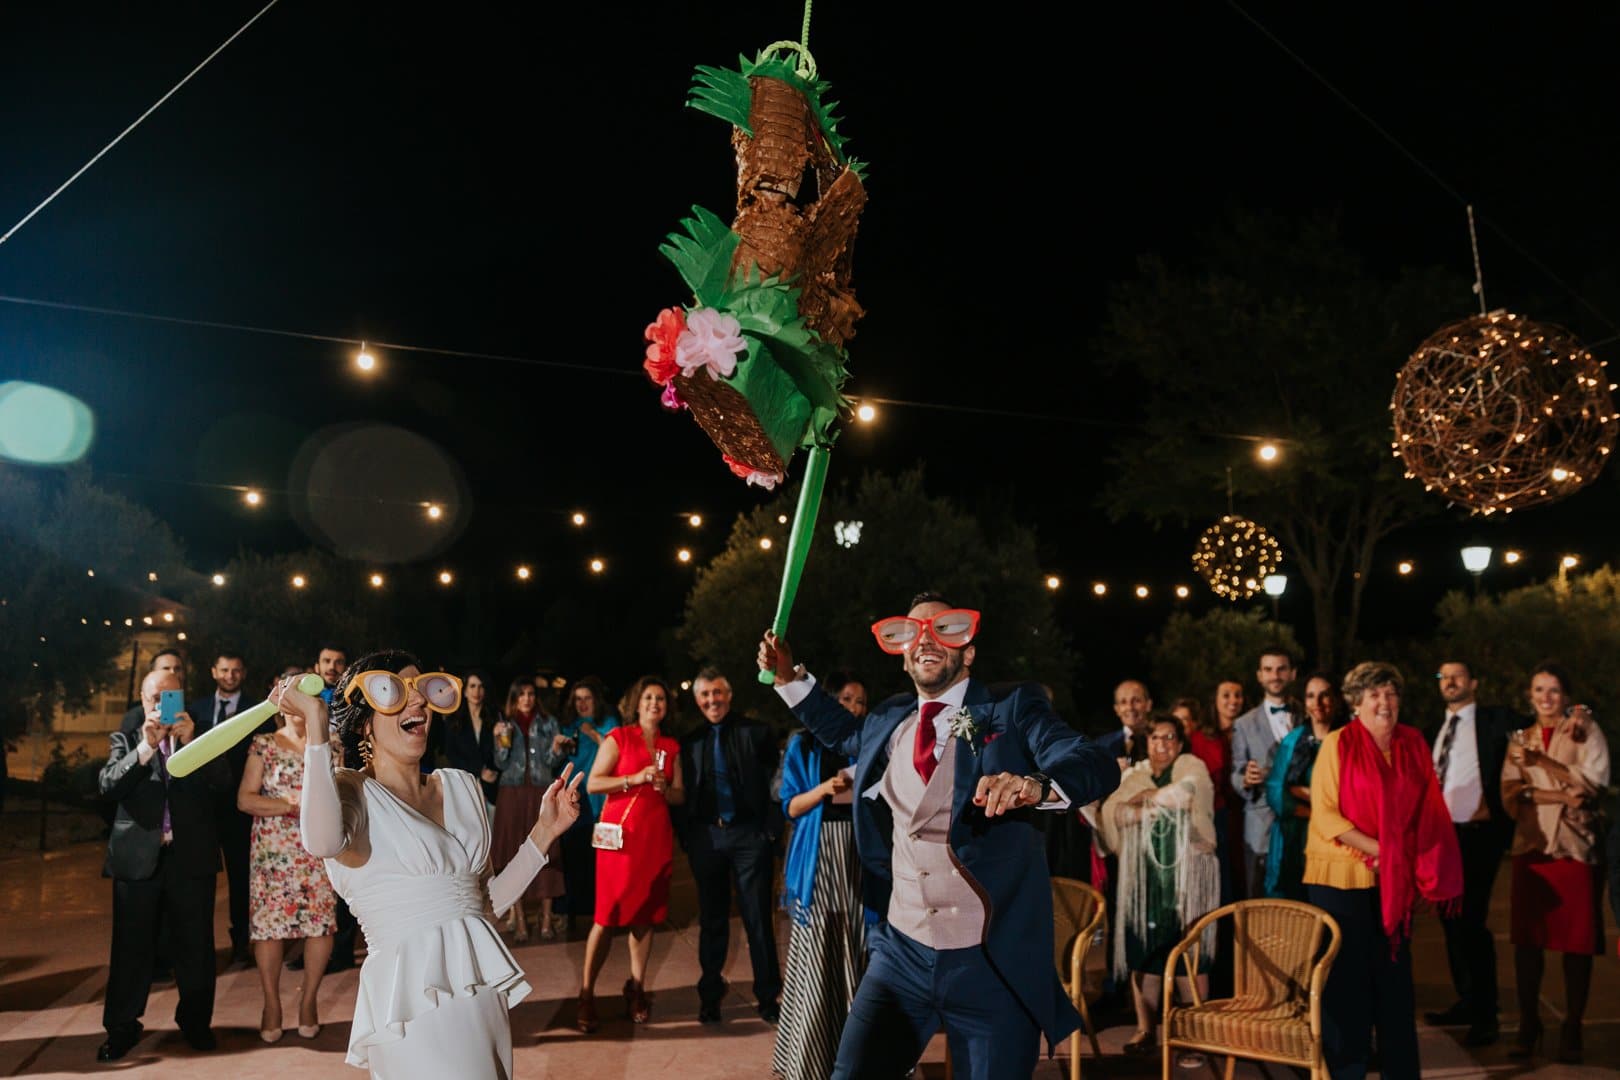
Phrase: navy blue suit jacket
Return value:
(1005, 856)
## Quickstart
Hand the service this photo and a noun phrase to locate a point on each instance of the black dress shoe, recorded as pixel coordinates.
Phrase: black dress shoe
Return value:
(337, 963)
(201, 1039)
(1456, 1015)
(709, 1013)
(119, 1043)
(1482, 1034)
(770, 1012)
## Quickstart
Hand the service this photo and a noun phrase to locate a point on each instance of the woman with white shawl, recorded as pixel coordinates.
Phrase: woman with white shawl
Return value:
(1160, 822)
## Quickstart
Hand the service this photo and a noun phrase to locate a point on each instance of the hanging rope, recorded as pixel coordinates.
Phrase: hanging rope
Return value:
(806, 66)
(1479, 277)
(102, 152)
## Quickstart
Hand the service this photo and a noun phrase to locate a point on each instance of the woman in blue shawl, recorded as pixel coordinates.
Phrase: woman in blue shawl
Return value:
(587, 716)
(826, 952)
(1288, 785)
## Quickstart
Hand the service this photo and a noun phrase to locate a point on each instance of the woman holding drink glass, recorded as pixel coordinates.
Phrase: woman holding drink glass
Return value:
(1555, 771)
(638, 769)
(528, 752)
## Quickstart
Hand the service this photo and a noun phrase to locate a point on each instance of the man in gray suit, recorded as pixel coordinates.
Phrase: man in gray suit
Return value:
(1255, 736)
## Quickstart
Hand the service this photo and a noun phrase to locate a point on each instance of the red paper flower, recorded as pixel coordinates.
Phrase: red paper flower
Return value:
(737, 467)
(660, 363)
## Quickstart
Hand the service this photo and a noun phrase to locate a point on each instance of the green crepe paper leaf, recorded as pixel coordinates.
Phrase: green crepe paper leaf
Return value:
(723, 93)
(768, 309)
(779, 406)
(703, 255)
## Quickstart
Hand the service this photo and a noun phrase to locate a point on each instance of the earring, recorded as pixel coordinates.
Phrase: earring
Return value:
(365, 752)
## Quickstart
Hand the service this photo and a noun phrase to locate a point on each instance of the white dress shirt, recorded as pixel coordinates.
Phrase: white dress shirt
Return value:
(1281, 722)
(233, 704)
(1464, 787)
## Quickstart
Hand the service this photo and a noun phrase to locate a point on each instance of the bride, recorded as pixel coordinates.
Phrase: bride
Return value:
(410, 854)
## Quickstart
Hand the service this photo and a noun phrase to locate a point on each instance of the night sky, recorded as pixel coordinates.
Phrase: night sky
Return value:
(488, 182)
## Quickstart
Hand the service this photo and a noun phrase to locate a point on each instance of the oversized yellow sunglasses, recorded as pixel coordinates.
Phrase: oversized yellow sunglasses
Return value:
(387, 693)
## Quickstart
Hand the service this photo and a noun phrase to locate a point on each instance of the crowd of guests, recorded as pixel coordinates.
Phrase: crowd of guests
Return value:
(1298, 797)
(1325, 793)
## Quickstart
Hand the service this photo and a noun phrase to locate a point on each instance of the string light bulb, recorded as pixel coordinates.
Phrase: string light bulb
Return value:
(683, 555)
(1267, 453)
(696, 521)
(578, 518)
(1141, 592)
(1053, 582)
(1182, 592)
(765, 543)
(151, 575)
(1099, 589)
(1405, 567)
(524, 573)
(218, 580)
(298, 581)
(1512, 557)
(1569, 562)
(90, 573)
(435, 511)
(376, 581)
(597, 566)
(364, 360)
(781, 519)
(866, 414)
(446, 577)
(252, 497)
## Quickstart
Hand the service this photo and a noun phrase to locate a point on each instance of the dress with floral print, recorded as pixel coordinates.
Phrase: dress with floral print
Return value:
(289, 895)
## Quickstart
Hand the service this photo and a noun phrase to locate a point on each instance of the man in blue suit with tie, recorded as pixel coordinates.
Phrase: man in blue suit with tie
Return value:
(946, 779)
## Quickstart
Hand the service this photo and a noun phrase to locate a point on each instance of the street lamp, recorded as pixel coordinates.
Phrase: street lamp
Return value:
(1275, 585)
(1475, 558)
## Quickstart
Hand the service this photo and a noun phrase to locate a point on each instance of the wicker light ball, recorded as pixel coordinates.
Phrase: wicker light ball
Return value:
(1497, 412)
(1234, 555)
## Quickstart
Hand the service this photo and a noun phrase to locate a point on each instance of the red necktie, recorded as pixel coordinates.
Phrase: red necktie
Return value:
(922, 755)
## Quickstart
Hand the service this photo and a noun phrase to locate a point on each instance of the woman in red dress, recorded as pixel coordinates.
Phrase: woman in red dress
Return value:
(1555, 772)
(638, 768)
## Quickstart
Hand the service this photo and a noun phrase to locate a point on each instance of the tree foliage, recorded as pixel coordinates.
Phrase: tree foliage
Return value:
(258, 613)
(1193, 654)
(56, 647)
(908, 542)
(1279, 331)
(1504, 637)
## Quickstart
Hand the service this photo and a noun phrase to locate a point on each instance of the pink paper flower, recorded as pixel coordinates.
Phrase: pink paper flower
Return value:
(711, 340)
(671, 398)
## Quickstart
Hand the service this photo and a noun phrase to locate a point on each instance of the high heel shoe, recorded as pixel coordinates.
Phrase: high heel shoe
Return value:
(306, 1031)
(267, 1033)
(635, 1002)
(1569, 1043)
(585, 1013)
(521, 935)
(1528, 1040)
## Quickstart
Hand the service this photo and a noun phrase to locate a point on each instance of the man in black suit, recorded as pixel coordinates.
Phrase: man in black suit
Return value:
(1469, 744)
(1134, 707)
(730, 832)
(235, 827)
(162, 855)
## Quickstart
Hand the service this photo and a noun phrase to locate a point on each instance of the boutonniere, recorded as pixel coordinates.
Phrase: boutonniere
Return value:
(965, 727)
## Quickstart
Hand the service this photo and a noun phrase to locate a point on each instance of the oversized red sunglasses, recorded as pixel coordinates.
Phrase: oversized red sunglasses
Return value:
(953, 629)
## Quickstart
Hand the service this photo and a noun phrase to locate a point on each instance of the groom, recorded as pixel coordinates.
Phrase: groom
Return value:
(945, 779)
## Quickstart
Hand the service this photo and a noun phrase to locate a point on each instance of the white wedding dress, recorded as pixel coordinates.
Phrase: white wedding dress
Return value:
(437, 981)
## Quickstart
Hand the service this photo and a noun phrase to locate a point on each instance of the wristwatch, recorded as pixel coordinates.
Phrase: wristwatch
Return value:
(1046, 785)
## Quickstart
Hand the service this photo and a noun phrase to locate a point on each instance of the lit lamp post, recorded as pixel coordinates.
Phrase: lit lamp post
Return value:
(1275, 586)
(1476, 558)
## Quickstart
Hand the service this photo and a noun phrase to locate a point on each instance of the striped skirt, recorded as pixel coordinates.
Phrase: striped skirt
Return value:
(825, 960)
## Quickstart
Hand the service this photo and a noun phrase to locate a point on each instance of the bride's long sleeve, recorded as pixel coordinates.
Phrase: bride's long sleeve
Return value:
(507, 886)
(320, 814)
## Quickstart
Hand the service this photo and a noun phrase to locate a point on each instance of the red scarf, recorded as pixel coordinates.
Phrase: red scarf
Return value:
(524, 720)
(1398, 803)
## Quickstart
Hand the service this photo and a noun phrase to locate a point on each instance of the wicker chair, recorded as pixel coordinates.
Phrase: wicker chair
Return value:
(1279, 966)
(1078, 913)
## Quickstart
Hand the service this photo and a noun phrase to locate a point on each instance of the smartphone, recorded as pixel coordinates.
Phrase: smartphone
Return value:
(171, 703)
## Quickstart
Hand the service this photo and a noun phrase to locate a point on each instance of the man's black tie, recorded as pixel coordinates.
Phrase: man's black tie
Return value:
(1446, 738)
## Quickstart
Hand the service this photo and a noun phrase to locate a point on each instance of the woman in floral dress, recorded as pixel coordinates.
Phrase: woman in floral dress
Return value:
(289, 894)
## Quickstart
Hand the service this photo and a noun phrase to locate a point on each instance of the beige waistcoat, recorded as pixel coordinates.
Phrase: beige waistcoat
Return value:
(934, 900)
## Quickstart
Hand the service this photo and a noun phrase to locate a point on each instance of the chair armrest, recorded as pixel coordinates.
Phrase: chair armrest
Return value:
(1319, 973)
